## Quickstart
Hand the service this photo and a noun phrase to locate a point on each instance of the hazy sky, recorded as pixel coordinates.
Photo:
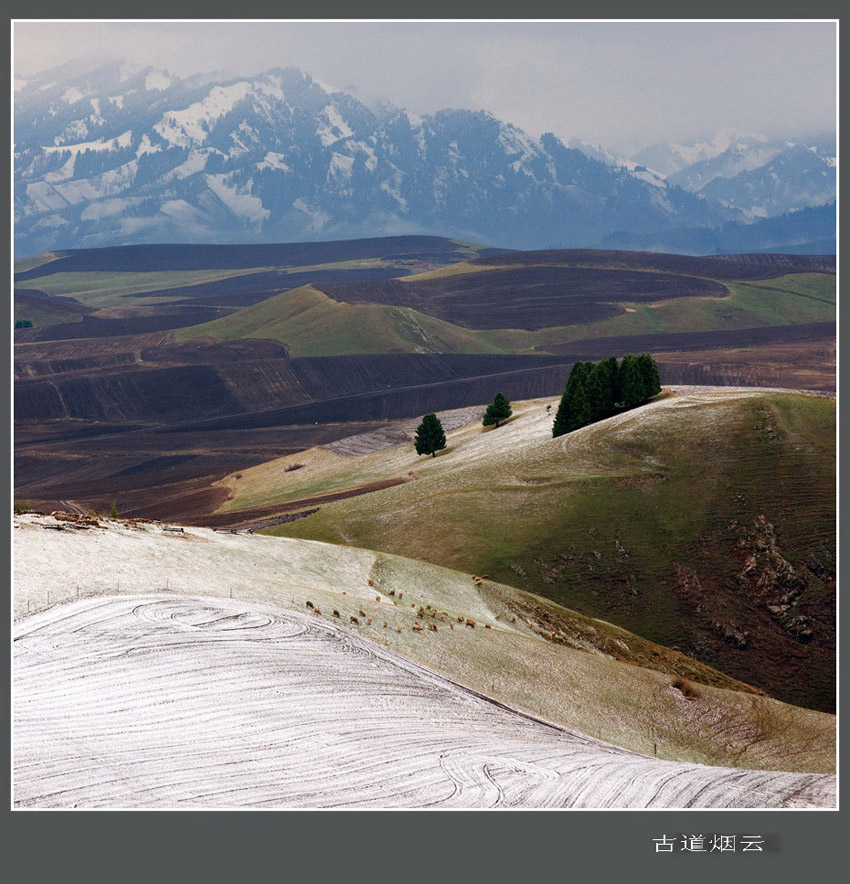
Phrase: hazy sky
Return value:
(621, 84)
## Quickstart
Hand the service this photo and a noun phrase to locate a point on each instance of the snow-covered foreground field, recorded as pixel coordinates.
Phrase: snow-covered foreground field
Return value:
(189, 701)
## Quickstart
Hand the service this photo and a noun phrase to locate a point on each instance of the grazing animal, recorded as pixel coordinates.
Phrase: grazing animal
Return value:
(398, 628)
(361, 612)
(371, 582)
(460, 618)
(497, 616)
(432, 626)
(401, 595)
(451, 625)
(486, 625)
(417, 627)
(385, 624)
(485, 576)
(391, 592)
(470, 622)
(318, 610)
(368, 621)
(353, 619)
(377, 598)
(310, 605)
(336, 613)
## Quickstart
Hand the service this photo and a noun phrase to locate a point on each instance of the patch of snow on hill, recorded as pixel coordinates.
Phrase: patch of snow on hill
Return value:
(332, 128)
(107, 184)
(654, 178)
(145, 146)
(318, 219)
(392, 186)
(108, 207)
(42, 197)
(184, 128)
(95, 118)
(122, 140)
(72, 95)
(273, 160)
(371, 161)
(186, 215)
(63, 173)
(272, 86)
(194, 163)
(74, 131)
(243, 137)
(340, 166)
(238, 199)
(517, 144)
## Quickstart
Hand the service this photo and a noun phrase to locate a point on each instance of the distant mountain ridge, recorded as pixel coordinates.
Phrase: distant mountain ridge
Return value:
(119, 155)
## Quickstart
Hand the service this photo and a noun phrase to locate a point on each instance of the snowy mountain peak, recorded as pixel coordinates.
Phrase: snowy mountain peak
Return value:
(115, 155)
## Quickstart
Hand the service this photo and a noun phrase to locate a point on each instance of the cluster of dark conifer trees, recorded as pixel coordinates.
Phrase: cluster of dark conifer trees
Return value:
(598, 390)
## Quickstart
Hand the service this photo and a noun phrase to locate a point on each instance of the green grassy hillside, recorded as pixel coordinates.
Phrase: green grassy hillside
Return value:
(46, 311)
(312, 324)
(788, 300)
(691, 521)
(114, 288)
(335, 328)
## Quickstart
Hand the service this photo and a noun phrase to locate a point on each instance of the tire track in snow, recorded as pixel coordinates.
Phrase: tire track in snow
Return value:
(164, 701)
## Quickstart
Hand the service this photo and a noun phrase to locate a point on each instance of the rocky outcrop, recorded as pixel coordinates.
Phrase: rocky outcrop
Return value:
(773, 580)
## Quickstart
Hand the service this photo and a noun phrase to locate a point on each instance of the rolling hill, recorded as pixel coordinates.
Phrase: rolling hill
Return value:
(223, 357)
(196, 586)
(543, 302)
(704, 521)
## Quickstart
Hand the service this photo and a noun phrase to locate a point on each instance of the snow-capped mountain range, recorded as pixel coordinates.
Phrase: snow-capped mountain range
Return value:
(120, 155)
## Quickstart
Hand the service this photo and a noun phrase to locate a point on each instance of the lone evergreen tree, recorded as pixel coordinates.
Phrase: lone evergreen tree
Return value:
(499, 410)
(649, 371)
(430, 437)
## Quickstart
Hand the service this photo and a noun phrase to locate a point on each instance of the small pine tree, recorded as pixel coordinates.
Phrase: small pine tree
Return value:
(632, 383)
(113, 511)
(430, 437)
(651, 377)
(499, 410)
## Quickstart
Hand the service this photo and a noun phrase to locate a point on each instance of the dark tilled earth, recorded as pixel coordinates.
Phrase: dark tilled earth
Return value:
(528, 297)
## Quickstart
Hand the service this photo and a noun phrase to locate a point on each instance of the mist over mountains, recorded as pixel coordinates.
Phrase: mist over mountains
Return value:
(120, 155)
